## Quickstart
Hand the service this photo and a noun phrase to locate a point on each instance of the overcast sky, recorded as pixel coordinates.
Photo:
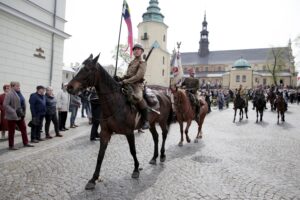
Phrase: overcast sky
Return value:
(232, 24)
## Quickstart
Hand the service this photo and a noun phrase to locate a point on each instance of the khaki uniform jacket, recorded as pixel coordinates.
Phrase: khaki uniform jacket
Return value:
(11, 104)
(135, 75)
(136, 71)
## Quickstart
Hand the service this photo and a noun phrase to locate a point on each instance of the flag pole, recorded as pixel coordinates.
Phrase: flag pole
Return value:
(117, 57)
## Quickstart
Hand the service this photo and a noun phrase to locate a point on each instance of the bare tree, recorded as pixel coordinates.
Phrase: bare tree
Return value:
(123, 53)
(276, 62)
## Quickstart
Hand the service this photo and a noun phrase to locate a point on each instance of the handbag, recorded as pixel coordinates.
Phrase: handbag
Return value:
(20, 112)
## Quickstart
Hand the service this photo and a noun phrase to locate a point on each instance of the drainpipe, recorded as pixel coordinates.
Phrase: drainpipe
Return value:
(52, 45)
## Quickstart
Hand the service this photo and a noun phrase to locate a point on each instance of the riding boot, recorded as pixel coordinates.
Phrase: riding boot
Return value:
(144, 114)
(145, 121)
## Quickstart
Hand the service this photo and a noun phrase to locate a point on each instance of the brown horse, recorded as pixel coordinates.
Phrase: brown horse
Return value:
(281, 107)
(117, 115)
(241, 104)
(186, 113)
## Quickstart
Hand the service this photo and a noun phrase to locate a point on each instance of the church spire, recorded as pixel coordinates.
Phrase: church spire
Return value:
(203, 49)
(153, 12)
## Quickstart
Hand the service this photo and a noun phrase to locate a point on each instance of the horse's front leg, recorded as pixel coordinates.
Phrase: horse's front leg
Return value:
(188, 124)
(131, 142)
(282, 116)
(155, 140)
(277, 116)
(234, 115)
(241, 114)
(164, 137)
(261, 115)
(104, 138)
(256, 115)
(181, 133)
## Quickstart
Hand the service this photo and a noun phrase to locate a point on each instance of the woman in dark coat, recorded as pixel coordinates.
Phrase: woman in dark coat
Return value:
(51, 113)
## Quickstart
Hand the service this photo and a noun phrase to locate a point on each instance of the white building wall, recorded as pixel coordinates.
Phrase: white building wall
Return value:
(19, 39)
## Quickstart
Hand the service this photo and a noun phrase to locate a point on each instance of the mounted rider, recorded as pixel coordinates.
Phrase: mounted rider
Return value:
(191, 85)
(135, 77)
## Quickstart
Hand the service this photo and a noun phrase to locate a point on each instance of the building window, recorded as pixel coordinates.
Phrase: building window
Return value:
(206, 69)
(163, 60)
(264, 81)
(67, 75)
(163, 72)
(237, 78)
(264, 68)
(244, 78)
(145, 36)
(256, 80)
(219, 68)
(164, 38)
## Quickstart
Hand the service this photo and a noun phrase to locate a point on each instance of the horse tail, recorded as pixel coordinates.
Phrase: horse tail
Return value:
(170, 116)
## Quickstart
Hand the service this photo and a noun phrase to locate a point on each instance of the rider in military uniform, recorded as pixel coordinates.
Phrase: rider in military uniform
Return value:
(191, 85)
(258, 93)
(135, 77)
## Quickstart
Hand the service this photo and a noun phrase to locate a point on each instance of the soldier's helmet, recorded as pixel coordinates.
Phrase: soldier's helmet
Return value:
(139, 46)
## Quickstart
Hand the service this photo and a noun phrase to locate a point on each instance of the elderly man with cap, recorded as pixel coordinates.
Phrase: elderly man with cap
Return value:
(135, 77)
(37, 103)
(191, 85)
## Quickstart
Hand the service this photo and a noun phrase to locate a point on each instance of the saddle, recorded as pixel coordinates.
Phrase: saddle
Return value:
(192, 97)
(148, 95)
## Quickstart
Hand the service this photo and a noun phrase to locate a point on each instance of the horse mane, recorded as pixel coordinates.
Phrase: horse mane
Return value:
(107, 78)
(182, 94)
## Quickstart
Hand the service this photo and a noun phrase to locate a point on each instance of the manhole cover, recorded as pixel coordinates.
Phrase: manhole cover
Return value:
(206, 159)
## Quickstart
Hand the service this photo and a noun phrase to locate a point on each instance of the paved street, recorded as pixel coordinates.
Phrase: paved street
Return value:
(241, 160)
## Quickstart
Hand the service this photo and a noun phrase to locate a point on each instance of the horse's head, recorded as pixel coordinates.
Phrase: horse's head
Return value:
(85, 76)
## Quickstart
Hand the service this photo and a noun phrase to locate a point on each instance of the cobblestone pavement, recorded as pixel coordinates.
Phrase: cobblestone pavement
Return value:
(241, 160)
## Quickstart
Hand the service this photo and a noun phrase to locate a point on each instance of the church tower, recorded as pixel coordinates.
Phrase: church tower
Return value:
(150, 30)
(203, 50)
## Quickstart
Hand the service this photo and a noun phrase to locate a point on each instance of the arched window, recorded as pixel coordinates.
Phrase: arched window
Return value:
(237, 78)
(163, 72)
(244, 78)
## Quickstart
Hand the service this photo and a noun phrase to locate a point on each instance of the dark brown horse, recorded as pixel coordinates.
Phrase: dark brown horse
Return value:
(186, 113)
(271, 98)
(260, 104)
(117, 115)
(241, 104)
(281, 107)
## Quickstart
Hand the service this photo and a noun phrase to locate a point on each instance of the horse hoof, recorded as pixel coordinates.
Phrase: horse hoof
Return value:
(196, 141)
(188, 140)
(152, 162)
(180, 144)
(90, 186)
(135, 174)
(163, 159)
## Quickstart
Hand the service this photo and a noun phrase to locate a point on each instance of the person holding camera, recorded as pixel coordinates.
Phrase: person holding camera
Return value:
(15, 109)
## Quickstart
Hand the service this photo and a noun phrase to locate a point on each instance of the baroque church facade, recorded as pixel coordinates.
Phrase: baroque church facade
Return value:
(232, 68)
